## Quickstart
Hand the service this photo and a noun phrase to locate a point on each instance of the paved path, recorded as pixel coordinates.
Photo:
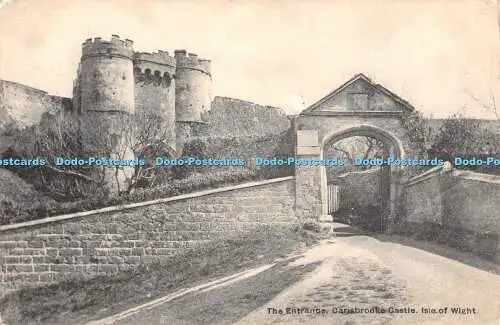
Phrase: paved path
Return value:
(338, 274)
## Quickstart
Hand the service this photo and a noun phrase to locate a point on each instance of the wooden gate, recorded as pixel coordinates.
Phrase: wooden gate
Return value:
(333, 198)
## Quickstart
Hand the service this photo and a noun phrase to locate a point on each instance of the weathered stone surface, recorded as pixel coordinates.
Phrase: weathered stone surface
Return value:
(359, 189)
(25, 105)
(461, 208)
(231, 117)
(423, 201)
(359, 107)
(108, 242)
(307, 138)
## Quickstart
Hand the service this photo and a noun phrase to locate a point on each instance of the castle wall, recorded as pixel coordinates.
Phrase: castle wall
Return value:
(458, 208)
(155, 94)
(230, 117)
(360, 189)
(261, 128)
(25, 106)
(193, 87)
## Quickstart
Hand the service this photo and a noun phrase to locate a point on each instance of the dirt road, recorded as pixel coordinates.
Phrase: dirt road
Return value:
(381, 282)
(411, 285)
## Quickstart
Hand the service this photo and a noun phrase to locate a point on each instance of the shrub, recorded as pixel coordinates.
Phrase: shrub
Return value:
(460, 136)
(312, 225)
(12, 212)
(173, 180)
(247, 148)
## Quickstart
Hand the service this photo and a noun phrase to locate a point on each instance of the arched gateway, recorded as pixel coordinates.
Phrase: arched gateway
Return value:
(357, 108)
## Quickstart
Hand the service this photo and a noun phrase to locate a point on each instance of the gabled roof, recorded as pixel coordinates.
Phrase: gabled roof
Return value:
(354, 79)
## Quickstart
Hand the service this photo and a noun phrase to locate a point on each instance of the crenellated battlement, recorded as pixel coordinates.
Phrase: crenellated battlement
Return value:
(160, 57)
(192, 61)
(113, 77)
(146, 76)
(114, 47)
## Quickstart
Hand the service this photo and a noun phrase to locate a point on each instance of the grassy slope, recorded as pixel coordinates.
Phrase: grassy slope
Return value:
(15, 193)
(76, 302)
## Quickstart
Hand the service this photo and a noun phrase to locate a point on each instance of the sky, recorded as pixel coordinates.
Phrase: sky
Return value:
(441, 55)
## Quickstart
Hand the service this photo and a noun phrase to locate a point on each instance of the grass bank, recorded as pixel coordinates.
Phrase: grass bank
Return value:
(79, 301)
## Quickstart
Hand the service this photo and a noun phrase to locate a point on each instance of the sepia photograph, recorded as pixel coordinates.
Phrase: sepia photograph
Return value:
(250, 162)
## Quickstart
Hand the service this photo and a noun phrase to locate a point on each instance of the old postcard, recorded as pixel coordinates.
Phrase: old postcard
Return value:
(167, 162)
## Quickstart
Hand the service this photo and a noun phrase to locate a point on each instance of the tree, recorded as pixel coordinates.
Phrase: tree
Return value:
(118, 136)
(350, 148)
(418, 130)
(151, 137)
(460, 136)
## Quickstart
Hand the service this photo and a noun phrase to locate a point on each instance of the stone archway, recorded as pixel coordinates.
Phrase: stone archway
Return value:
(390, 174)
(357, 108)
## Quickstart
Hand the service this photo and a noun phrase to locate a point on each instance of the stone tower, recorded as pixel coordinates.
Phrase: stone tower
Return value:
(106, 79)
(193, 93)
(154, 75)
(104, 97)
(163, 95)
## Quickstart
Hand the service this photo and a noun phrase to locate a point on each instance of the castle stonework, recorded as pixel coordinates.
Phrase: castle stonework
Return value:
(154, 75)
(117, 86)
(193, 87)
(113, 79)
(115, 83)
(105, 77)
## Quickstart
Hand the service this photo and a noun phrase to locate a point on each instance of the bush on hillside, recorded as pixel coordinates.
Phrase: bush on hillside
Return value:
(75, 193)
(418, 130)
(13, 213)
(246, 148)
(465, 137)
(193, 183)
